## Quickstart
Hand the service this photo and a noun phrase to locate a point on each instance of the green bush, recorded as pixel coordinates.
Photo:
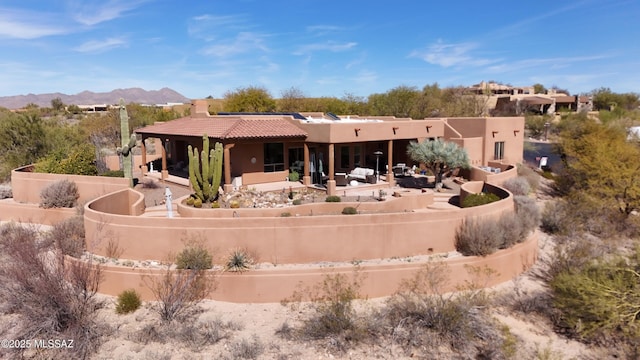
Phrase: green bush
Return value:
(349, 210)
(128, 302)
(297, 202)
(294, 176)
(80, 160)
(333, 198)
(60, 194)
(479, 199)
(285, 214)
(113, 173)
(194, 257)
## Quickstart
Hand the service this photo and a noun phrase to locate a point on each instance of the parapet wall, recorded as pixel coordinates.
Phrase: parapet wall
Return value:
(283, 240)
(27, 185)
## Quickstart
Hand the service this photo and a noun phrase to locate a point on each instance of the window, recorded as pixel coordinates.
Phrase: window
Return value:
(273, 157)
(357, 157)
(498, 150)
(344, 157)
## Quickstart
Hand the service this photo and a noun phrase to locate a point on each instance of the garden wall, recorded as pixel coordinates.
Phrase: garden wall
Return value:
(27, 185)
(284, 240)
(274, 285)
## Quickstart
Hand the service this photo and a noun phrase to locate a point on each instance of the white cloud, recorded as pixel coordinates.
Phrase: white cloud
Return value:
(330, 46)
(95, 12)
(448, 55)
(98, 46)
(28, 25)
(547, 63)
(244, 42)
(209, 27)
(320, 30)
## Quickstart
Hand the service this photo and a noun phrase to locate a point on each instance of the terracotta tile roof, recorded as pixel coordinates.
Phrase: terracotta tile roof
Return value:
(226, 128)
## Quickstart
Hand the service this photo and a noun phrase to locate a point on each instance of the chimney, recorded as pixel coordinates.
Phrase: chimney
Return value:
(199, 108)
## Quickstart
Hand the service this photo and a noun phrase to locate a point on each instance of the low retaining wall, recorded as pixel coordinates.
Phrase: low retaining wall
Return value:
(32, 213)
(283, 240)
(274, 285)
(27, 185)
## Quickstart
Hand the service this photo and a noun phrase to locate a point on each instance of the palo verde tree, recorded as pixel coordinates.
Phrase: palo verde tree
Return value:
(439, 157)
(250, 99)
(601, 163)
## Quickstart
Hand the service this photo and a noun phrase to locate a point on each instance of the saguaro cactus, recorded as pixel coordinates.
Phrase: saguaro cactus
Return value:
(205, 171)
(128, 143)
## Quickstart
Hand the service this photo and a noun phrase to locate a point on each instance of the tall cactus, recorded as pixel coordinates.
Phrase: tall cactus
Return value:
(205, 171)
(128, 143)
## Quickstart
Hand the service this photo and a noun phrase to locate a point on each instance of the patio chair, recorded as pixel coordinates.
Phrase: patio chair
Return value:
(341, 179)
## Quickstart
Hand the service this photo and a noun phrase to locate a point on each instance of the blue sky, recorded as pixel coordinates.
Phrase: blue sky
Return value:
(323, 48)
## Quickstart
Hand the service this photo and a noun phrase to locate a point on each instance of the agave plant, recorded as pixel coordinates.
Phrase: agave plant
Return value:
(239, 260)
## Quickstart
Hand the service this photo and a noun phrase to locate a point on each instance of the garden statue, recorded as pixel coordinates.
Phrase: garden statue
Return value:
(167, 201)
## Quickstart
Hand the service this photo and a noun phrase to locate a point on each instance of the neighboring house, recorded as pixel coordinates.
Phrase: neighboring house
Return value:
(261, 148)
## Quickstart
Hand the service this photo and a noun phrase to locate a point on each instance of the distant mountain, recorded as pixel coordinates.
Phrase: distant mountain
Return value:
(136, 95)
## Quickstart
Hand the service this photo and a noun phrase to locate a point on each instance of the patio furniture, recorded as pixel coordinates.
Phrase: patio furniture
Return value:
(363, 174)
(341, 179)
(401, 169)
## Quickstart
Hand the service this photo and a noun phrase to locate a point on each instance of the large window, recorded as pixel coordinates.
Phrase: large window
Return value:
(344, 157)
(273, 157)
(357, 156)
(498, 150)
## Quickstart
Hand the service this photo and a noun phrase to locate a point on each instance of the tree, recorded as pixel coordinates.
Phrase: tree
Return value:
(398, 101)
(57, 104)
(22, 141)
(457, 101)
(601, 163)
(292, 100)
(539, 89)
(250, 99)
(439, 157)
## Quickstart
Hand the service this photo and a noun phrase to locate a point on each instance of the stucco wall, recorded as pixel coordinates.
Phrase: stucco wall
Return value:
(279, 240)
(32, 213)
(274, 284)
(27, 185)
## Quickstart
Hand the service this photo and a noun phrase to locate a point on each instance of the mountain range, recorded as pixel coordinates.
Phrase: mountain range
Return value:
(135, 95)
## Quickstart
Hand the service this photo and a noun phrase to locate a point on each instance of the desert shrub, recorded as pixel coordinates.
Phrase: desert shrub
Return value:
(553, 217)
(239, 260)
(349, 210)
(149, 184)
(128, 302)
(5, 191)
(601, 299)
(426, 319)
(60, 194)
(328, 311)
(51, 297)
(297, 201)
(294, 176)
(194, 257)
(247, 349)
(333, 198)
(178, 291)
(68, 236)
(479, 199)
(528, 214)
(517, 186)
(285, 214)
(113, 173)
(78, 160)
(509, 231)
(532, 177)
(478, 237)
(195, 334)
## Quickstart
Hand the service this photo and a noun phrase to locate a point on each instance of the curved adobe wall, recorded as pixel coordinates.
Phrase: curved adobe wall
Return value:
(404, 203)
(273, 285)
(27, 185)
(282, 240)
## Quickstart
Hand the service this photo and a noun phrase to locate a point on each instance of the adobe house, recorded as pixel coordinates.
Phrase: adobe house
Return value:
(260, 148)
